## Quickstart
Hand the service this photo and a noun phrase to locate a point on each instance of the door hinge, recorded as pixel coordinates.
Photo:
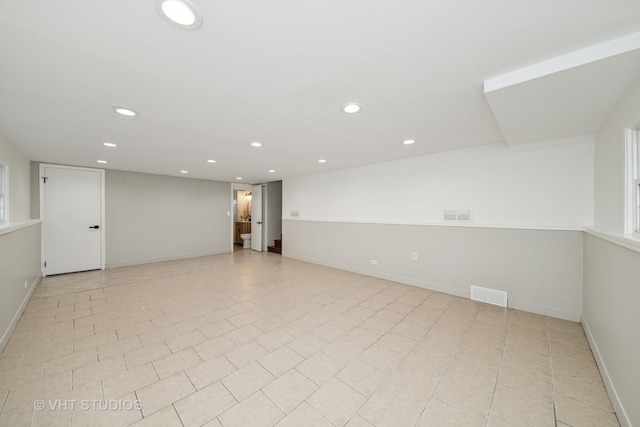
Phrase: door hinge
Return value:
(44, 179)
(45, 264)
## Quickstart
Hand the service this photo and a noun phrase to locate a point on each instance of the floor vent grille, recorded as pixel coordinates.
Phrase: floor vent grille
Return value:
(490, 296)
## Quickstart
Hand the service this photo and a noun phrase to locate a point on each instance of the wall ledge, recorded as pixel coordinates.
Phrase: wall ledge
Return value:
(443, 224)
(10, 227)
(628, 241)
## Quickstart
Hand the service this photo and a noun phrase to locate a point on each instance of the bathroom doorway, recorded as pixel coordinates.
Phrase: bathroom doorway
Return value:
(241, 216)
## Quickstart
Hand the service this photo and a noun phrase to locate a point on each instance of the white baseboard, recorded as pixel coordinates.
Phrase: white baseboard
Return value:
(16, 317)
(438, 287)
(167, 258)
(623, 418)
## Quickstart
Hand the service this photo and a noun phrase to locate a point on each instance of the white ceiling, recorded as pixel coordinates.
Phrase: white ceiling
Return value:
(280, 72)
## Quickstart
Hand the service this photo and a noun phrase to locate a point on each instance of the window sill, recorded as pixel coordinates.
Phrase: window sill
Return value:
(10, 227)
(628, 241)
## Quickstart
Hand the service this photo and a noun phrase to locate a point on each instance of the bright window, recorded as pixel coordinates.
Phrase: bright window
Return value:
(3, 193)
(633, 182)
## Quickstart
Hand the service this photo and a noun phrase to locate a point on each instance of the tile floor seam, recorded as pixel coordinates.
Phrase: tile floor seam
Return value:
(495, 385)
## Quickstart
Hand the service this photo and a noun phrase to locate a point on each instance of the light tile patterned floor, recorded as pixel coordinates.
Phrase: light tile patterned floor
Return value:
(255, 339)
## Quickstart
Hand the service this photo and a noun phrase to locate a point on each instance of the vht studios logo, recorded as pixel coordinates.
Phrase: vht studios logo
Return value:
(88, 405)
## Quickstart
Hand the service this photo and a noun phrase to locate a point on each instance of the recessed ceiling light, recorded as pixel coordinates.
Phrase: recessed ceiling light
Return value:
(409, 141)
(239, 178)
(109, 144)
(125, 111)
(104, 162)
(322, 161)
(256, 144)
(352, 108)
(184, 171)
(211, 161)
(272, 171)
(181, 13)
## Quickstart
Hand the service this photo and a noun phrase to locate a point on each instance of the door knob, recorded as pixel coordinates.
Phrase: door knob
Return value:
(95, 227)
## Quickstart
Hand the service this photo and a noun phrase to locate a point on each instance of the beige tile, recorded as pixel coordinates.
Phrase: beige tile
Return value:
(415, 384)
(166, 417)
(214, 347)
(148, 354)
(99, 414)
(98, 371)
(521, 345)
(343, 351)
(244, 334)
(522, 406)
(95, 341)
(128, 381)
(386, 408)
(593, 394)
(70, 362)
(584, 368)
(362, 377)
(280, 361)
(218, 328)
(320, 368)
(440, 414)
(255, 411)
(26, 394)
(246, 353)
(274, 339)
(210, 371)
(358, 421)
(361, 337)
(243, 319)
(184, 341)
(379, 326)
(527, 362)
(204, 405)
(500, 419)
(157, 335)
(336, 401)
(304, 415)
(381, 358)
(307, 345)
(471, 372)
(410, 330)
(535, 385)
(112, 349)
(575, 413)
(472, 399)
(247, 380)
(164, 392)
(176, 362)
(290, 390)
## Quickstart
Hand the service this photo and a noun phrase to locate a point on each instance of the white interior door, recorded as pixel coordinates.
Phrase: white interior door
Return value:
(256, 218)
(72, 211)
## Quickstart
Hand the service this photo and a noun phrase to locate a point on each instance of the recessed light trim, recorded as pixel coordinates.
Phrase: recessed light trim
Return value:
(239, 178)
(109, 144)
(409, 141)
(271, 171)
(184, 171)
(211, 161)
(104, 162)
(322, 161)
(256, 144)
(181, 13)
(352, 108)
(124, 111)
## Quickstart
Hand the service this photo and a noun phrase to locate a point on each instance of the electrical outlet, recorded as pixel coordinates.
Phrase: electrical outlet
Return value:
(374, 262)
(414, 256)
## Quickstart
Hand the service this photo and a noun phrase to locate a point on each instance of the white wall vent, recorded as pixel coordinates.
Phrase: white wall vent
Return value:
(490, 296)
(462, 215)
(295, 214)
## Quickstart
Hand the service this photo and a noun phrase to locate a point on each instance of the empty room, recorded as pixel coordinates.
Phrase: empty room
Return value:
(341, 213)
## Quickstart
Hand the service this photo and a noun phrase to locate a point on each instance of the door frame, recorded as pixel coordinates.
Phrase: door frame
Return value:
(232, 220)
(102, 211)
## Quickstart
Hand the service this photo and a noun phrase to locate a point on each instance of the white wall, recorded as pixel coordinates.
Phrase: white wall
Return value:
(152, 218)
(538, 185)
(611, 271)
(609, 210)
(19, 180)
(19, 249)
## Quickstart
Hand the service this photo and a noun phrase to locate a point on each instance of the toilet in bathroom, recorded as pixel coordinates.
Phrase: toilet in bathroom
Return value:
(246, 240)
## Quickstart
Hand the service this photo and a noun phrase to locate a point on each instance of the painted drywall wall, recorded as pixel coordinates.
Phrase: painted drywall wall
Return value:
(19, 266)
(19, 180)
(273, 214)
(609, 188)
(153, 218)
(611, 319)
(537, 185)
(541, 270)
